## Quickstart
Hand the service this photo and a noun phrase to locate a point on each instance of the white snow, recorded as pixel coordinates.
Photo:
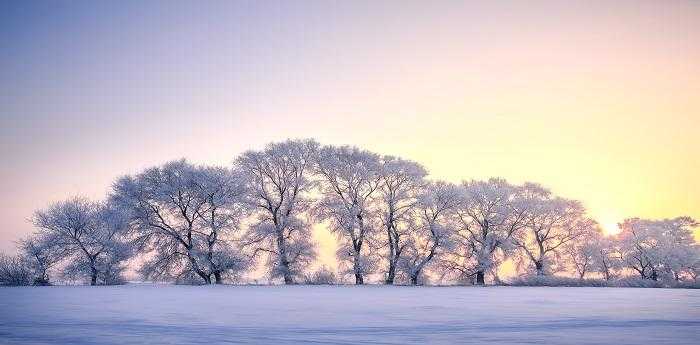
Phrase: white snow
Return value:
(148, 314)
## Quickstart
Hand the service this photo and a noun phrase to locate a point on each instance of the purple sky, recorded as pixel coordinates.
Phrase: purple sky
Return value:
(598, 100)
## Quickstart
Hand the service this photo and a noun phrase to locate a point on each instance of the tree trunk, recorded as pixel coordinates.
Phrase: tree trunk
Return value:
(654, 276)
(480, 278)
(391, 275)
(414, 279)
(539, 266)
(284, 261)
(93, 276)
(359, 280)
(217, 277)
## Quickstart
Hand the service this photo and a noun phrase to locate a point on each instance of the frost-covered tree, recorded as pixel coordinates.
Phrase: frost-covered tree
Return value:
(431, 228)
(90, 236)
(585, 254)
(14, 271)
(490, 214)
(654, 248)
(183, 216)
(400, 185)
(279, 184)
(550, 223)
(349, 180)
(41, 253)
(605, 257)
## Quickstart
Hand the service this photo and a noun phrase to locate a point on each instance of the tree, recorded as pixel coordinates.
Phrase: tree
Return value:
(656, 247)
(490, 213)
(605, 257)
(349, 179)
(224, 192)
(14, 271)
(278, 187)
(550, 223)
(432, 226)
(89, 234)
(181, 215)
(585, 254)
(40, 253)
(400, 184)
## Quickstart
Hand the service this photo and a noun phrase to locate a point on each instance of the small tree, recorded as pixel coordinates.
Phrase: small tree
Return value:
(606, 257)
(14, 271)
(41, 254)
(89, 234)
(584, 253)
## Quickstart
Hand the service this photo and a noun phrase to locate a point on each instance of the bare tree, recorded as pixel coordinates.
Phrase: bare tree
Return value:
(400, 184)
(278, 188)
(551, 222)
(349, 179)
(181, 214)
(89, 234)
(432, 227)
(490, 213)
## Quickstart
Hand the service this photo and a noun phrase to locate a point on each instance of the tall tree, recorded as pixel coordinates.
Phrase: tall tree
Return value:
(278, 180)
(432, 227)
(400, 184)
(349, 180)
(89, 233)
(181, 214)
(490, 214)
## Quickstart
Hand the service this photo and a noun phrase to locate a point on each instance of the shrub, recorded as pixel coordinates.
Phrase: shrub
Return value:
(322, 276)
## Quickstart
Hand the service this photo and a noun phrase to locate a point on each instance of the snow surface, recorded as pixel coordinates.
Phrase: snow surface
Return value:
(165, 314)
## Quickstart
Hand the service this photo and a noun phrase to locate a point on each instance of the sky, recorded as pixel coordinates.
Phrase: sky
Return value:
(597, 100)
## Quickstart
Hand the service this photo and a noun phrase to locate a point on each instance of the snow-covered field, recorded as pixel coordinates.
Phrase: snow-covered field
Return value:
(150, 314)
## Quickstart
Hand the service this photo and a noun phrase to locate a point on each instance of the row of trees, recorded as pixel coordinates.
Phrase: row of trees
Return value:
(210, 224)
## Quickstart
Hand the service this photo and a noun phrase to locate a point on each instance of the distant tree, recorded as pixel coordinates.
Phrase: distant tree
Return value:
(349, 181)
(183, 216)
(400, 184)
(551, 222)
(41, 253)
(653, 248)
(279, 184)
(90, 236)
(431, 228)
(490, 214)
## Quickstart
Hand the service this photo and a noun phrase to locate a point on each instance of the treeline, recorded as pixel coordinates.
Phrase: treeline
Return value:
(202, 224)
